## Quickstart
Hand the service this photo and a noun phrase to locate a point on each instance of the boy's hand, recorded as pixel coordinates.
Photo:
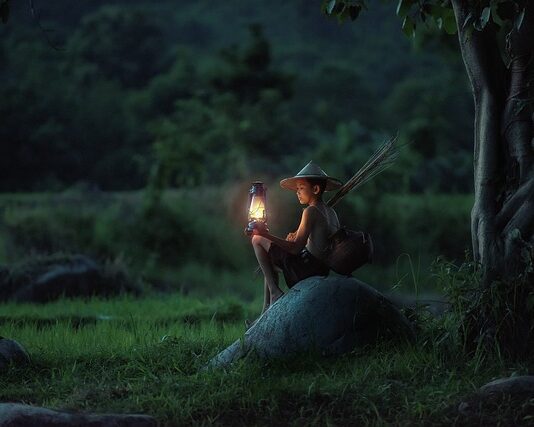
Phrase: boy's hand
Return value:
(260, 229)
(292, 236)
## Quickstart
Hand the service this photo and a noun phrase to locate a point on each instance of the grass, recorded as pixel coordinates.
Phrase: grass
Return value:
(144, 358)
(143, 355)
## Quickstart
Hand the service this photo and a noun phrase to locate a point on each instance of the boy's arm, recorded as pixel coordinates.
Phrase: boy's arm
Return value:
(291, 236)
(302, 233)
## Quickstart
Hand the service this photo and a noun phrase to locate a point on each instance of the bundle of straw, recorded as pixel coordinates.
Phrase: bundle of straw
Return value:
(381, 159)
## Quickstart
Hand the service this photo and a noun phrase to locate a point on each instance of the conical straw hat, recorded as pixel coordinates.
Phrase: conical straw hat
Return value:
(311, 170)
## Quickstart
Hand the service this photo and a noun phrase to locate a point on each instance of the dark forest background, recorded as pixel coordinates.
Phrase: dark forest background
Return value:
(226, 88)
(113, 97)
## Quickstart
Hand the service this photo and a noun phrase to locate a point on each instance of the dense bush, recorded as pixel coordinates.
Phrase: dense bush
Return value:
(169, 235)
(428, 224)
(196, 235)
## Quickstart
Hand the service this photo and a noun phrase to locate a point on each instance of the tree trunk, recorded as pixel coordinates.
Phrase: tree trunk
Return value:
(502, 217)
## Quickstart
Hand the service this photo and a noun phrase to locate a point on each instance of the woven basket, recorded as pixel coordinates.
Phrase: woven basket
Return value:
(349, 250)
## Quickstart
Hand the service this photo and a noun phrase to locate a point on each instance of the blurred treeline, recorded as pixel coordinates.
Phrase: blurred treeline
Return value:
(119, 93)
(193, 241)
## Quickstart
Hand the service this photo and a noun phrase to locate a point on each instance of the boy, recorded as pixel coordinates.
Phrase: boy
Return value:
(301, 253)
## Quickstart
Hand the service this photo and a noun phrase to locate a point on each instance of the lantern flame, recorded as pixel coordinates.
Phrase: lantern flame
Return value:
(257, 209)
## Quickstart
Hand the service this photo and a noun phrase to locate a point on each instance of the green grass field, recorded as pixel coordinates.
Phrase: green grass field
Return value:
(142, 356)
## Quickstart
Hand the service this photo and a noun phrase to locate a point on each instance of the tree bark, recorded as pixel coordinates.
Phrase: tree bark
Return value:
(502, 217)
(504, 144)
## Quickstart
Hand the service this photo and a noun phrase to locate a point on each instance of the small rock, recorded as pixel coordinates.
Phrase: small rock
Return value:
(20, 415)
(523, 384)
(11, 350)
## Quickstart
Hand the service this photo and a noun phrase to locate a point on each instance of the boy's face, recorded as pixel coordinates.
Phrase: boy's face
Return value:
(305, 192)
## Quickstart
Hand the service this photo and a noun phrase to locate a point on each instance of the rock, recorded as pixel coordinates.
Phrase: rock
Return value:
(12, 351)
(332, 314)
(20, 415)
(505, 401)
(48, 278)
(523, 384)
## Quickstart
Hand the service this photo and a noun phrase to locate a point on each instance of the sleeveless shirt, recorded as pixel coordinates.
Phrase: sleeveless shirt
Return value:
(317, 240)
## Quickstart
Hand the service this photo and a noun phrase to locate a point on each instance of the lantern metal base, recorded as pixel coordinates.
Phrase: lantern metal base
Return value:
(258, 225)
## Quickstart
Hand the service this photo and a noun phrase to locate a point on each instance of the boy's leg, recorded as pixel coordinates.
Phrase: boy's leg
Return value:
(266, 296)
(267, 293)
(261, 247)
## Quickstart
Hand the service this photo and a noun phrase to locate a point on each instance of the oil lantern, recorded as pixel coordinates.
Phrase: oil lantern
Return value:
(257, 208)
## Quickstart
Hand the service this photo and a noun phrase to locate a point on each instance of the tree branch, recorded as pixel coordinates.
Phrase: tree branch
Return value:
(45, 31)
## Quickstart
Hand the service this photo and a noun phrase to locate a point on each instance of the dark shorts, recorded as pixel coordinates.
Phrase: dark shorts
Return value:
(296, 267)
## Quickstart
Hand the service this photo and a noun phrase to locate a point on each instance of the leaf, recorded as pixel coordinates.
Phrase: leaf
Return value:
(403, 7)
(437, 11)
(484, 17)
(449, 22)
(330, 6)
(408, 27)
(519, 19)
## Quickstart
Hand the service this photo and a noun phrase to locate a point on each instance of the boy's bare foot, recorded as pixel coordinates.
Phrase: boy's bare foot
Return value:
(275, 298)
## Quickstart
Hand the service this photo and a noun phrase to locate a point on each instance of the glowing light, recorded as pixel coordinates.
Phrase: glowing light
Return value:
(257, 209)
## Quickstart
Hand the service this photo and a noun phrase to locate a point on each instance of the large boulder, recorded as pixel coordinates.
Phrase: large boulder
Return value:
(12, 351)
(47, 278)
(20, 415)
(332, 314)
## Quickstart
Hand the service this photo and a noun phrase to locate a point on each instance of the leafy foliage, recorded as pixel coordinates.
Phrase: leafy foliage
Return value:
(122, 44)
(503, 309)
(140, 95)
(504, 15)
(438, 11)
(239, 117)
